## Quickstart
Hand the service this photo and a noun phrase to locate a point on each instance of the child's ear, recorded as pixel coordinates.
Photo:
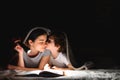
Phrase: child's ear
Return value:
(58, 46)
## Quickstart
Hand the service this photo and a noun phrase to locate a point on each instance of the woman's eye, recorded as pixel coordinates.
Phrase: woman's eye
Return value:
(42, 43)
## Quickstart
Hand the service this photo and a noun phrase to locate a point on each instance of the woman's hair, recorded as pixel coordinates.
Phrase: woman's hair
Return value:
(59, 40)
(34, 34)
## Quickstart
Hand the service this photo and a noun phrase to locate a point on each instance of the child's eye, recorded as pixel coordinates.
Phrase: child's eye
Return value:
(49, 41)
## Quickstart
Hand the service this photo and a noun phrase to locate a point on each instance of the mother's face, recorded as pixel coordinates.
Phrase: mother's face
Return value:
(39, 44)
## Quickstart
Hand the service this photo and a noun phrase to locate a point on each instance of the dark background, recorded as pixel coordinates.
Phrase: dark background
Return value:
(87, 24)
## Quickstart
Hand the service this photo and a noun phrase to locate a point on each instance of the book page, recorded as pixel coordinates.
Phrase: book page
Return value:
(28, 72)
(61, 72)
(37, 72)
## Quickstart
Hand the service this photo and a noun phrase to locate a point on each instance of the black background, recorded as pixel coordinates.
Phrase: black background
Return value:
(87, 24)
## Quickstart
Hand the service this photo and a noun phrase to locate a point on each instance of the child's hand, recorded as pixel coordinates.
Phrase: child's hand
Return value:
(56, 68)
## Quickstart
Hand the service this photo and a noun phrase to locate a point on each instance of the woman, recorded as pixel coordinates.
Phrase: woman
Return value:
(37, 56)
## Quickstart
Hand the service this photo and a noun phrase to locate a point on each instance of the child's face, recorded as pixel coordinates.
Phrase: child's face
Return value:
(40, 43)
(51, 45)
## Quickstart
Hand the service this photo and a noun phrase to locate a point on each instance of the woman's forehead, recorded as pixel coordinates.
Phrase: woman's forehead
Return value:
(42, 37)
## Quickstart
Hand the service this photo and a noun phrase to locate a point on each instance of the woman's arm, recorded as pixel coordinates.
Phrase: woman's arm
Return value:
(20, 51)
(12, 67)
(44, 61)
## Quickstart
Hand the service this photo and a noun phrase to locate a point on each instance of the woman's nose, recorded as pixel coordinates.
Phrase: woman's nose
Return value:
(46, 44)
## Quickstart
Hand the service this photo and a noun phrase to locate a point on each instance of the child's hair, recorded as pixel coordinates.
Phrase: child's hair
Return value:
(59, 40)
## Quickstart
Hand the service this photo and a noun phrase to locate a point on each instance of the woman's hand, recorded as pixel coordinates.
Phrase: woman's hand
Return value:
(47, 67)
(19, 49)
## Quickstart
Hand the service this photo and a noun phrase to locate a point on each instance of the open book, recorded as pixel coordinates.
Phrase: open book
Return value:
(39, 73)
